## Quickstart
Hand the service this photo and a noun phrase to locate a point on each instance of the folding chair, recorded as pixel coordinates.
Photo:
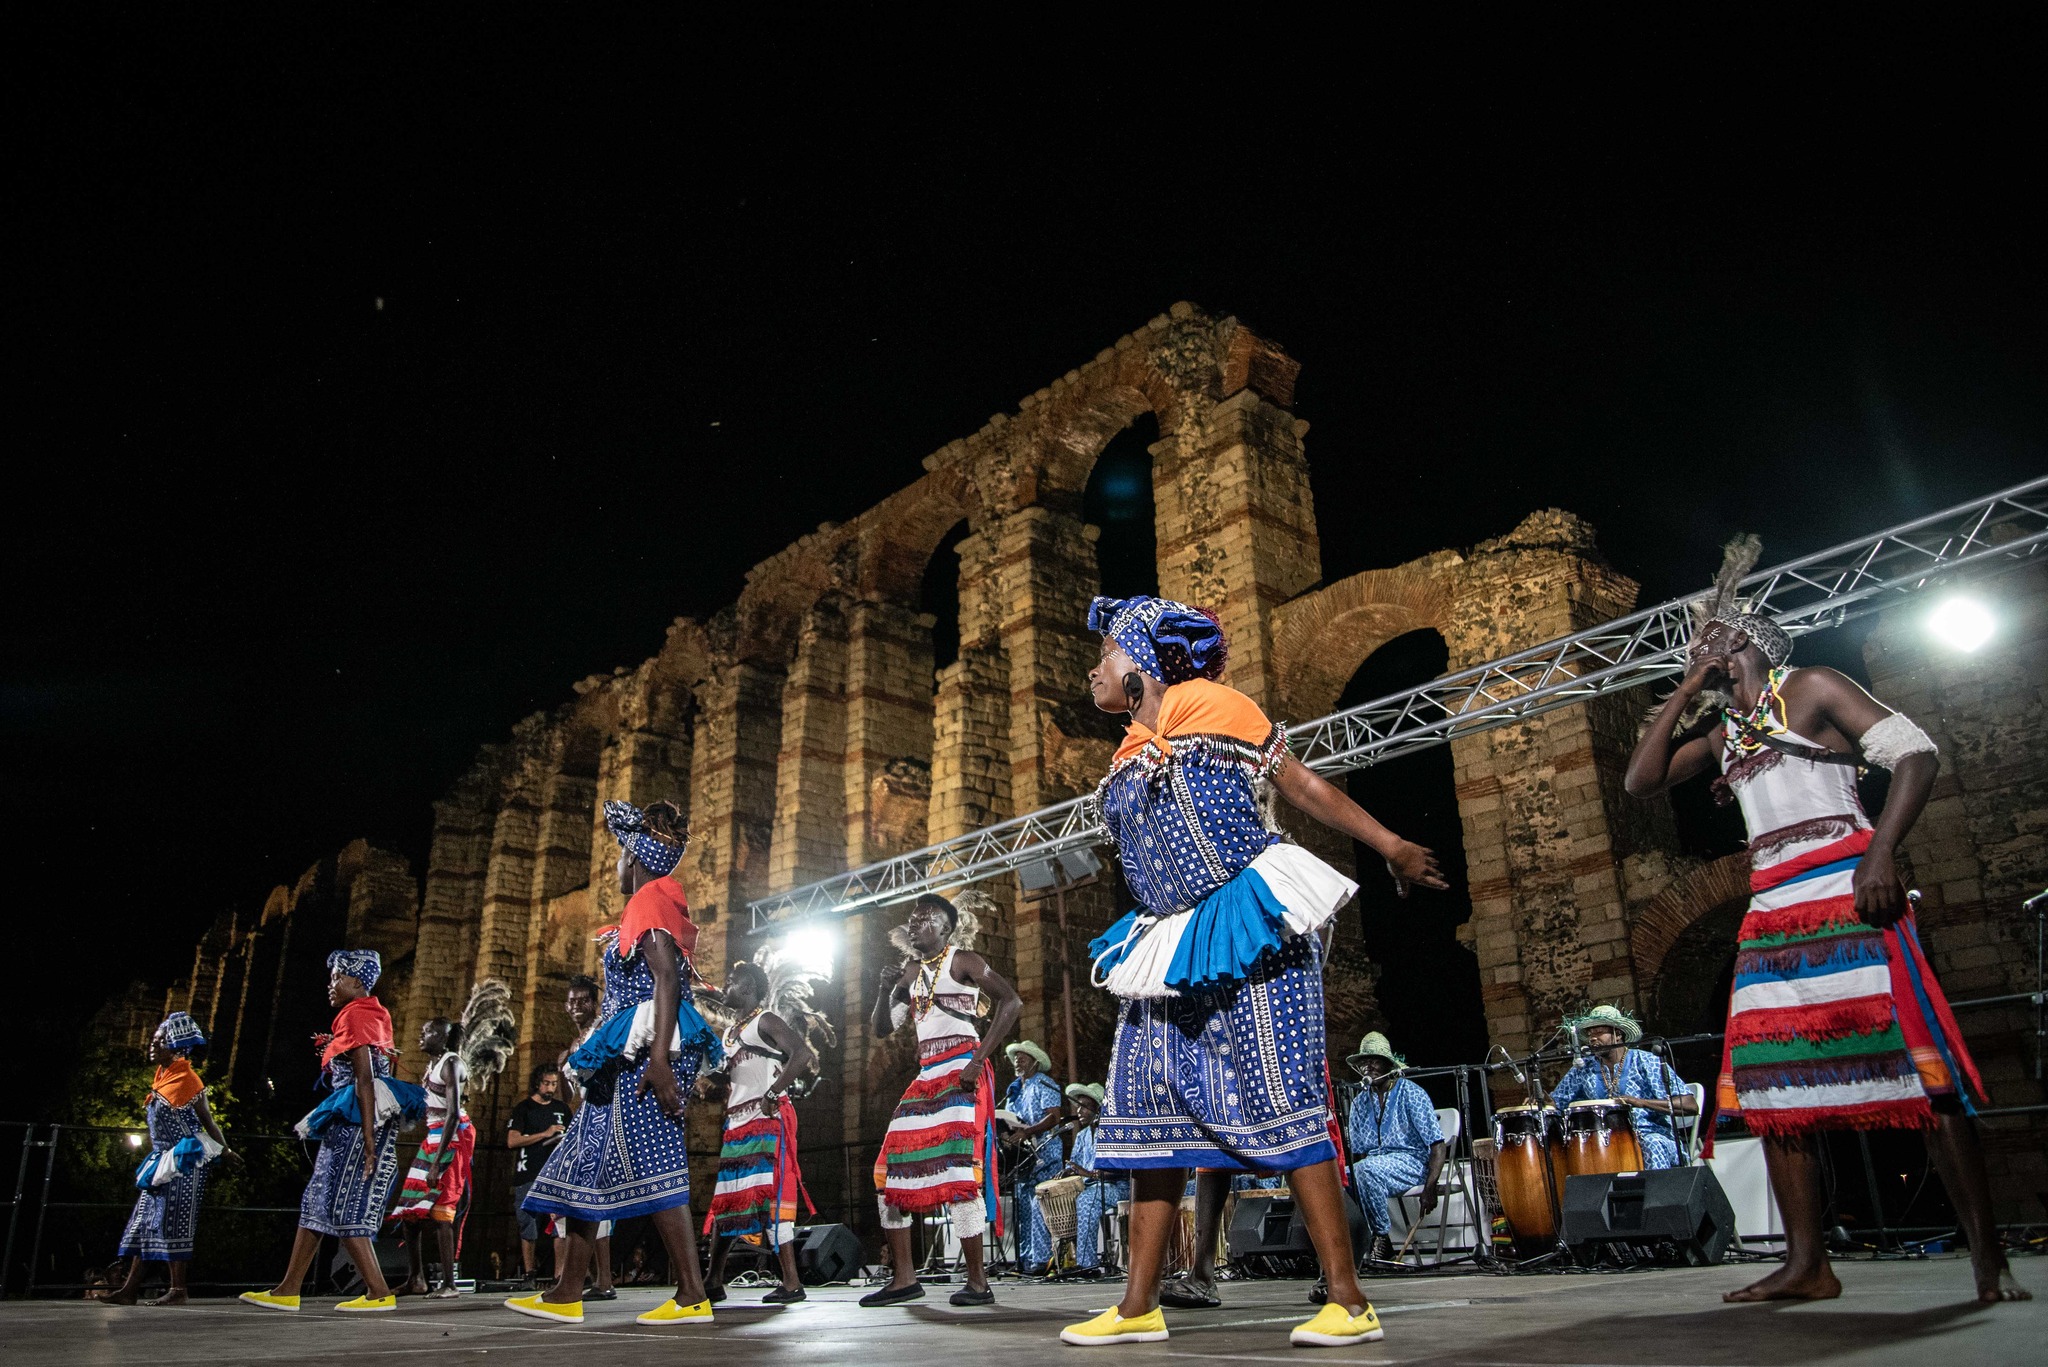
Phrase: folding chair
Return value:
(1688, 1126)
(1452, 1183)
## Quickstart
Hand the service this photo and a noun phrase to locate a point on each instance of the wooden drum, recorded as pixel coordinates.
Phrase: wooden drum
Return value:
(1527, 1140)
(1598, 1138)
(1059, 1201)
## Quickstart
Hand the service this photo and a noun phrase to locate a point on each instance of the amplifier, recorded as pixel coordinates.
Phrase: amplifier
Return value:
(826, 1253)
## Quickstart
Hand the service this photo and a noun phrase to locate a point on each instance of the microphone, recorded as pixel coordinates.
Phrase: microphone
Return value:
(1508, 1060)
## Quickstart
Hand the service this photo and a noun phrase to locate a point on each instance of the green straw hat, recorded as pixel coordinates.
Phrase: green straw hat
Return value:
(1614, 1016)
(1025, 1046)
(1375, 1045)
(1091, 1090)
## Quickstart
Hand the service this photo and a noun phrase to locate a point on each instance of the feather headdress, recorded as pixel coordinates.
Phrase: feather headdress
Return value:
(1725, 604)
(969, 908)
(489, 1031)
(792, 990)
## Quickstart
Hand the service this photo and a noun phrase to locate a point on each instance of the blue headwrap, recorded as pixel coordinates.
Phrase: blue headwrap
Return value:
(361, 964)
(180, 1033)
(1170, 641)
(629, 827)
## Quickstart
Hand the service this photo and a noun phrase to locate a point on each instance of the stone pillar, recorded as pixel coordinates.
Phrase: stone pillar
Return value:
(444, 956)
(732, 805)
(809, 834)
(888, 721)
(1236, 525)
(1542, 846)
(556, 930)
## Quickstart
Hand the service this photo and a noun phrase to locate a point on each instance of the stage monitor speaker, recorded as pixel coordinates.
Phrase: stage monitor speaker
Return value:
(1264, 1225)
(826, 1253)
(1675, 1215)
(391, 1261)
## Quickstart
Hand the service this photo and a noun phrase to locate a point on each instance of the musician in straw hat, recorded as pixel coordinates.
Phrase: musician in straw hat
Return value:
(1031, 1108)
(1394, 1138)
(1608, 1069)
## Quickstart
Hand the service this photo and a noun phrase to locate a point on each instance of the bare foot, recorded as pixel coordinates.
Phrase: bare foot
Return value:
(168, 1298)
(117, 1296)
(2000, 1287)
(1791, 1284)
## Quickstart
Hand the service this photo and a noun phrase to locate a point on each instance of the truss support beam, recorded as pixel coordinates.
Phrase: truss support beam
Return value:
(2001, 532)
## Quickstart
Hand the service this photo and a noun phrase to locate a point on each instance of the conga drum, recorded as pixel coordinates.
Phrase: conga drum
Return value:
(1599, 1138)
(1059, 1201)
(1183, 1256)
(1525, 1144)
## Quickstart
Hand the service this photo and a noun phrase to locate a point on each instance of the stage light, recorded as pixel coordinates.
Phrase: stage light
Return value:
(1038, 875)
(134, 1141)
(1961, 623)
(812, 947)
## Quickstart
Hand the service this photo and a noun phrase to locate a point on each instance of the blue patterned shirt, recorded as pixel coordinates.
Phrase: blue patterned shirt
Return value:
(1031, 1099)
(1402, 1119)
(1641, 1074)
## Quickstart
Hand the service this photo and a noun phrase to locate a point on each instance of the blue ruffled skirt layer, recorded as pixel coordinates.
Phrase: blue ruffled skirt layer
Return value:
(1282, 895)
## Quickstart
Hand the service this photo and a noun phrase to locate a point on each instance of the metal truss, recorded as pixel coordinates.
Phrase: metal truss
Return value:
(1991, 535)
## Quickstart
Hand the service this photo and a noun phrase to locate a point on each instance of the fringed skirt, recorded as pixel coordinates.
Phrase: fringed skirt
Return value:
(941, 1140)
(440, 1199)
(1833, 1023)
(1231, 1078)
(758, 1178)
(623, 1159)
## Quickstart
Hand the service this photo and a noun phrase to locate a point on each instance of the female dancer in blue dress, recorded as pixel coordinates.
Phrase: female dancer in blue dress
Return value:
(183, 1139)
(625, 1153)
(357, 1126)
(1219, 1059)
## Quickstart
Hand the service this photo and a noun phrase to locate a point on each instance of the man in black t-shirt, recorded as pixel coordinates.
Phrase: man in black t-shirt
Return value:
(533, 1131)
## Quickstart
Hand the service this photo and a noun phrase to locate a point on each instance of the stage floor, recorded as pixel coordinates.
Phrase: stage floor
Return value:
(1894, 1312)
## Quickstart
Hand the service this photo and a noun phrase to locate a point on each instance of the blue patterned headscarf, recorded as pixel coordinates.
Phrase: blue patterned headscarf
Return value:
(628, 825)
(180, 1033)
(1170, 641)
(361, 964)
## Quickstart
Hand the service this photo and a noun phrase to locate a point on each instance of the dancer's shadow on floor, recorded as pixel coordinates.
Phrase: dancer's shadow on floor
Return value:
(1761, 1333)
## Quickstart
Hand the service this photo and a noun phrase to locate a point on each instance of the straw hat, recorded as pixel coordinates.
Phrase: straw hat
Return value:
(1613, 1016)
(1375, 1045)
(1091, 1090)
(1025, 1046)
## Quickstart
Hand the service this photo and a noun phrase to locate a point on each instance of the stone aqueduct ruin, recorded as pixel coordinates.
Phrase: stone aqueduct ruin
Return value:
(805, 731)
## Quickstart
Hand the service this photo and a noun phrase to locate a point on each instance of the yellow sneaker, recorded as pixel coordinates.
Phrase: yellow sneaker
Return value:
(368, 1305)
(1110, 1327)
(564, 1312)
(1336, 1327)
(668, 1312)
(270, 1302)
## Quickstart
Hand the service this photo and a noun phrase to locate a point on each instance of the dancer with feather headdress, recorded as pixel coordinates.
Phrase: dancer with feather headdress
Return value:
(758, 1177)
(473, 1049)
(1836, 1020)
(940, 1150)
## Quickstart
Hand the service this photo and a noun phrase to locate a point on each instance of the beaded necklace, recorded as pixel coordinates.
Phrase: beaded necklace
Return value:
(736, 1034)
(924, 991)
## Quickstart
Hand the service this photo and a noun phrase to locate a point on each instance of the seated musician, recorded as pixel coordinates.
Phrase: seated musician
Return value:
(1034, 1099)
(1104, 1189)
(1636, 1078)
(1395, 1139)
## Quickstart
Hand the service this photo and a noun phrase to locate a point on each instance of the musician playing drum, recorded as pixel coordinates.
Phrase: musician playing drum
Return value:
(1105, 1190)
(1395, 1138)
(1636, 1078)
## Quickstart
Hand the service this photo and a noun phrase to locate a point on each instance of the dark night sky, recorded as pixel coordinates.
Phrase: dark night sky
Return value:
(280, 560)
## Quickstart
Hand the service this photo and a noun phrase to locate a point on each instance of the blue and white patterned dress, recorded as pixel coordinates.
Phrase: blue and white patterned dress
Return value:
(1391, 1136)
(165, 1218)
(1641, 1074)
(1032, 1099)
(625, 1157)
(1100, 1197)
(1219, 1054)
(338, 1199)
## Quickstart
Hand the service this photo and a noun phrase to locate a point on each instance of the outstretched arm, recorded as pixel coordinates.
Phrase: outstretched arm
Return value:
(1309, 792)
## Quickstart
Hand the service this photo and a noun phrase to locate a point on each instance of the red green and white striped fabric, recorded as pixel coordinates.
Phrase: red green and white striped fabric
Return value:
(940, 1139)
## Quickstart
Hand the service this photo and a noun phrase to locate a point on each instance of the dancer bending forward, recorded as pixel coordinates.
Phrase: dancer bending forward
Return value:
(1219, 1058)
(625, 1153)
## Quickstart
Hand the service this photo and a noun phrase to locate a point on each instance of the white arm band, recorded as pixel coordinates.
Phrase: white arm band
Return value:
(1894, 738)
(899, 1012)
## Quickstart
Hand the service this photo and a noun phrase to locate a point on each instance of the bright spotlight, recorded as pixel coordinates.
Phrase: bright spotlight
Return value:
(813, 947)
(134, 1141)
(1961, 623)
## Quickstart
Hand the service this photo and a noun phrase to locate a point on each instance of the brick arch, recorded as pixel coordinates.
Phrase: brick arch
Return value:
(1666, 916)
(1321, 638)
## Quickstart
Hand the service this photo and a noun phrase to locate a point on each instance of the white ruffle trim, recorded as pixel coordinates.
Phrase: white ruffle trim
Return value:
(640, 1038)
(1309, 891)
(166, 1170)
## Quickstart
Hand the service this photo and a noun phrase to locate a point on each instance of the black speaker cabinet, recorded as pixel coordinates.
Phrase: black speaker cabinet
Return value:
(826, 1253)
(1675, 1215)
(1264, 1225)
